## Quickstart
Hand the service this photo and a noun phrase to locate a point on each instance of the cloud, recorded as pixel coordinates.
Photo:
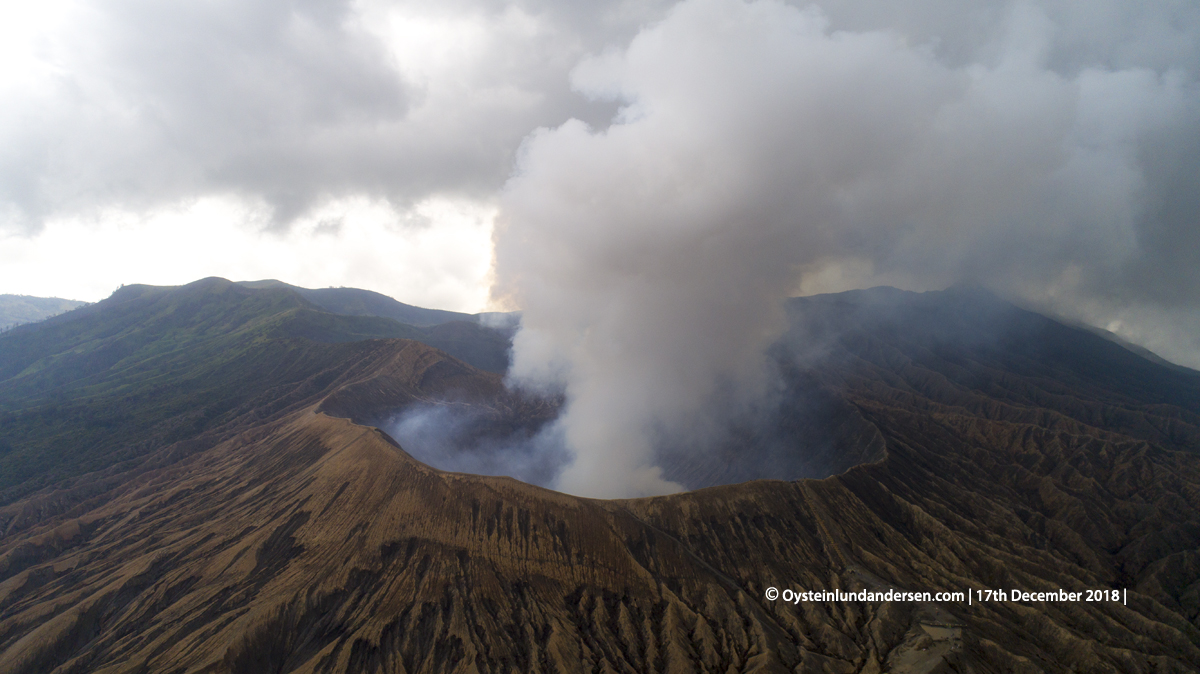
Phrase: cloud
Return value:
(122, 121)
(284, 105)
(761, 146)
(153, 102)
(436, 254)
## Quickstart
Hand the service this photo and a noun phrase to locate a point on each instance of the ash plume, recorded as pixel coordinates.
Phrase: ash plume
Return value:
(763, 150)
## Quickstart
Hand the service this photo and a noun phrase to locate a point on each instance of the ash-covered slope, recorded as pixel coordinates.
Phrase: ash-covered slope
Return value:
(305, 542)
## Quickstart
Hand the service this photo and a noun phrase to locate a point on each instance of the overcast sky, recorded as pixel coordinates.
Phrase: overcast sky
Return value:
(367, 143)
(646, 180)
(324, 143)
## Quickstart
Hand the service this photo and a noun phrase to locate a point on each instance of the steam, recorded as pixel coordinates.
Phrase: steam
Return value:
(465, 439)
(758, 152)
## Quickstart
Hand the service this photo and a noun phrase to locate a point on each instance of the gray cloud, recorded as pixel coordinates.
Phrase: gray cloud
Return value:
(155, 102)
(1043, 151)
(286, 104)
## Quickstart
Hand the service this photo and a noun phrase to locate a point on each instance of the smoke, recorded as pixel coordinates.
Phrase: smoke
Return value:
(763, 150)
(464, 438)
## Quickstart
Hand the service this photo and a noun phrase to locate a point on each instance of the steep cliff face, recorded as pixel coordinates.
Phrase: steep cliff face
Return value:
(304, 541)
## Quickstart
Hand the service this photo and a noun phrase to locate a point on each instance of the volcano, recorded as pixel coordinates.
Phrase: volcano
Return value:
(191, 480)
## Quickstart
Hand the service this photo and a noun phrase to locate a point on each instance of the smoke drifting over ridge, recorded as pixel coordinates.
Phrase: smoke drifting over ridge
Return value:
(763, 149)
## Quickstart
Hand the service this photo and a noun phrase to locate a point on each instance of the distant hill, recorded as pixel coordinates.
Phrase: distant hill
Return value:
(18, 309)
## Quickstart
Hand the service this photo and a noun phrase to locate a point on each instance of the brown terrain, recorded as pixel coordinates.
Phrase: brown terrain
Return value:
(298, 539)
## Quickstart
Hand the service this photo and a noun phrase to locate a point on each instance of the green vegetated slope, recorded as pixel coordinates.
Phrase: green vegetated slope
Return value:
(150, 366)
(19, 309)
(1004, 451)
(358, 302)
(462, 335)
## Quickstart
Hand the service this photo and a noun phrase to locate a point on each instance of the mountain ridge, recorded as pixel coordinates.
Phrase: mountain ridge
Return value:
(358, 302)
(292, 537)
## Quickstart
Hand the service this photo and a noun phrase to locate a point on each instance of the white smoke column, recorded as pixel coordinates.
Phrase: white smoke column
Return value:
(650, 258)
